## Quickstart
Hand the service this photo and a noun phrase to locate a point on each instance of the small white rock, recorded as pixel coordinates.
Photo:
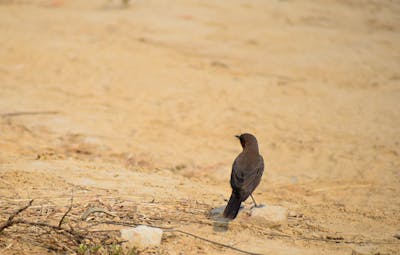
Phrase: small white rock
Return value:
(142, 236)
(270, 215)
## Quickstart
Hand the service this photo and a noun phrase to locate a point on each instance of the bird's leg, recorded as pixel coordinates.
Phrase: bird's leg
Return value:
(254, 201)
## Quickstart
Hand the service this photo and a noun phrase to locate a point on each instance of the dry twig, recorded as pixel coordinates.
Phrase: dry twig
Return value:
(215, 243)
(65, 214)
(77, 236)
(94, 210)
(14, 114)
(10, 221)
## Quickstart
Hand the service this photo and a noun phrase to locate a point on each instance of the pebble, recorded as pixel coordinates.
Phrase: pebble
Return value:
(270, 215)
(142, 236)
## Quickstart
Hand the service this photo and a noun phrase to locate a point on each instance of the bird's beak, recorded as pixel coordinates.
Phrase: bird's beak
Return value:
(237, 136)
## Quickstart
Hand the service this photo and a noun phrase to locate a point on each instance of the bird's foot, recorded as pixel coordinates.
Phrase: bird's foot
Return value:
(257, 206)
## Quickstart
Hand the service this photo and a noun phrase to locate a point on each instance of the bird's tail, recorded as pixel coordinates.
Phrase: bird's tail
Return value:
(233, 206)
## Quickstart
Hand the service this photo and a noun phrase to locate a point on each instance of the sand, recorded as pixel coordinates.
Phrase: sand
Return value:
(143, 103)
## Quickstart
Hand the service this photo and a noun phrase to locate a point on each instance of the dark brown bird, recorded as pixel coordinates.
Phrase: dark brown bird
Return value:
(247, 170)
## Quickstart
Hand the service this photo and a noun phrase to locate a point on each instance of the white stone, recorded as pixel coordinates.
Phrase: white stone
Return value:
(142, 236)
(270, 215)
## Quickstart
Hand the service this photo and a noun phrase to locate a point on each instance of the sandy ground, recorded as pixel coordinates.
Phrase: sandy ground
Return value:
(144, 102)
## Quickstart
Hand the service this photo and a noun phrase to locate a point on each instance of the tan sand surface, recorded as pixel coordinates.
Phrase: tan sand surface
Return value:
(143, 103)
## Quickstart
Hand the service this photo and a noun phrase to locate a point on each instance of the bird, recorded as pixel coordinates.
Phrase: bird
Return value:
(247, 170)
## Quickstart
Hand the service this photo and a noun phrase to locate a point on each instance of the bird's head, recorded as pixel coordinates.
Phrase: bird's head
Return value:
(247, 141)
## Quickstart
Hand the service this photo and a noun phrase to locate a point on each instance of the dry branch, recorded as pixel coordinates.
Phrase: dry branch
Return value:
(94, 210)
(215, 243)
(77, 236)
(65, 214)
(10, 221)
(14, 114)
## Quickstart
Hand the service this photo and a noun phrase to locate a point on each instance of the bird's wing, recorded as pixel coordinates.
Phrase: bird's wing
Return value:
(245, 180)
(236, 177)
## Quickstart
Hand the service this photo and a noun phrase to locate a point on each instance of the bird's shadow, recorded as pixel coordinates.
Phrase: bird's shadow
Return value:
(220, 223)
